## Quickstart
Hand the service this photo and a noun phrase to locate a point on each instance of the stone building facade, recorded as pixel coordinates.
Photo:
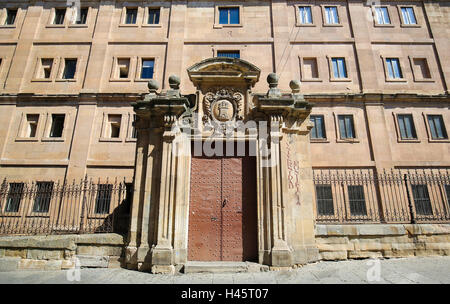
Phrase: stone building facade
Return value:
(377, 73)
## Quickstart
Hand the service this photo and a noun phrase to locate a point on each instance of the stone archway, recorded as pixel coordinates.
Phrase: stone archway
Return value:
(225, 112)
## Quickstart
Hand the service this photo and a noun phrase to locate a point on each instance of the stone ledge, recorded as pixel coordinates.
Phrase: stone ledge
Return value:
(360, 230)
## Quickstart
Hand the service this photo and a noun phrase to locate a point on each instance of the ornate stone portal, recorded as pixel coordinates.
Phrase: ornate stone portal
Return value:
(224, 112)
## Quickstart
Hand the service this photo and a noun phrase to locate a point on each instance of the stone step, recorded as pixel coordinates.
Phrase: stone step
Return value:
(223, 267)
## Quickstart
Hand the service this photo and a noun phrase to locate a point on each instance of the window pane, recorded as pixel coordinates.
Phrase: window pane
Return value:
(234, 15)
(346, 127)
(342, 71)
(131, 16)
(228, 54)
(318, 130)
(57, 125)
(15, 194)
(412, 18)
(349, 126)
(43, 196)
(11, 16)
(422, 199)
(357, 200)
(153, 16)
(342, 127)
(437, 128)
(70, 68)
(385, 15)
(324, 199)
(335, 68)
(305, 15)
(406, 126)
(147, 69)
(59, 16)
(103, 200)
(223, 16)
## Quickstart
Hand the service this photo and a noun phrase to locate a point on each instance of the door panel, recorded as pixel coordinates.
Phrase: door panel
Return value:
(222, 215)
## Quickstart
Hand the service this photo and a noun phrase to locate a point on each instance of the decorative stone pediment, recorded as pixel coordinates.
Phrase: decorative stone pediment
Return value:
(230, 70)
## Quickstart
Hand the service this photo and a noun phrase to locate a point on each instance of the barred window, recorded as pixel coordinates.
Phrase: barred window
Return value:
(15, 194)
(447, 192)
(43, 196)
(103, 201)
(357, 200)
(422, 199)
(324, 197)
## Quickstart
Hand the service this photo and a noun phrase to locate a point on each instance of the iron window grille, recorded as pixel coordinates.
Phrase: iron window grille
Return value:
(324, 198)
(103, 200)
(421, 199)
(15, 194)
(356, 199)
(43, 197)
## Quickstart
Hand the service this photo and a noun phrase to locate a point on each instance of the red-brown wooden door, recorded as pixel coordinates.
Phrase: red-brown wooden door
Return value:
(222, 212)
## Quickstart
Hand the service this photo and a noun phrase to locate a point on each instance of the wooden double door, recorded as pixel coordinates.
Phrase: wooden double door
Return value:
(222, 211)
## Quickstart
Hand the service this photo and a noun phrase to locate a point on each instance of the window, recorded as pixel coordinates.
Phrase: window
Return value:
(338, 66)
(437, 127)
(147, 70)
(346, 126)
(229, 54)
(153, 16)
(318, 131)
(60, 14)
(408, 16)
(305, 16)
(356, 200)
(133, 126)
(382, 15)
(103, 200)
(70, 67)
(83, 16)
(15, 194)
(406, 126)
(421, 199)
(123, 68)
(324, 200)
(131, 15)
(57, 127)
(420, 68)
(447, 192)
(310, 70)
(114, 125)
(393, 68)
(331, 15)
(32, 123)
(228, 15)
(43, 196)
(11, 15)
(45, 71)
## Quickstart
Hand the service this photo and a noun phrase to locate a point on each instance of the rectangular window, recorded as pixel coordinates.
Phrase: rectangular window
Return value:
(420, 68)
(357, 200)
(70, 67)
(437, 127)
(331, 15)
(123, 68)
(346, 126)
(32, 123)
(228, 15)
(310, 70)
(324, 199)
(46, 68)
(339, 70)
(318, 131)
(406, 126)
(447, 192)
(114, 121)
(305, 16)
(148, 66)
(393, 68)
(11, 15)
(382, 15)
(57, 127)
(228, 54)
(60, 14)
(131, 15)
(103, 200)
(44, 192)
(83, 16)
(422, 199)
(408, 15)
(15, 195)
(133, 125)
(153, 16)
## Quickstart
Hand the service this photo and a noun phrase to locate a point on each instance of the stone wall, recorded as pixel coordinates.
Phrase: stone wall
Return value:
(58, 252)
(342, 242)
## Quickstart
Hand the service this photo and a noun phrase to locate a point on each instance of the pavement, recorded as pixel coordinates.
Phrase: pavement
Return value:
(369, 271)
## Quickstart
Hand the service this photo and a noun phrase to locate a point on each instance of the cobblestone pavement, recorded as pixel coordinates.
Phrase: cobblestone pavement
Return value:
(405, 270)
